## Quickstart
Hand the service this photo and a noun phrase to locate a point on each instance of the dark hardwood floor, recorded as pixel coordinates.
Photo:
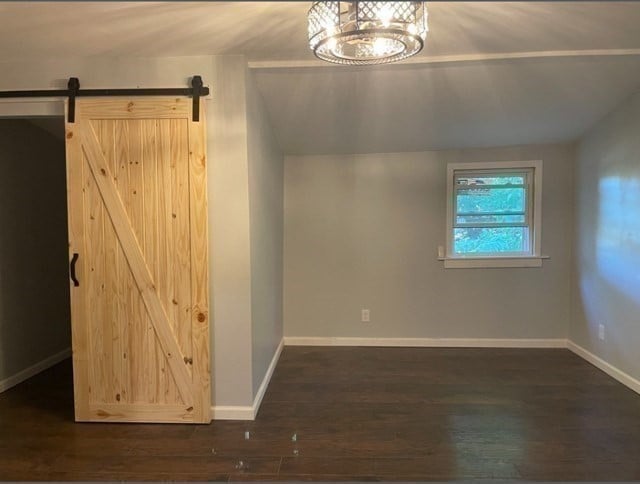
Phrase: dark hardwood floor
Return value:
(354, 414)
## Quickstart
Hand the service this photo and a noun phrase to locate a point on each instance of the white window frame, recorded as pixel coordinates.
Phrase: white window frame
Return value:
(531, 259)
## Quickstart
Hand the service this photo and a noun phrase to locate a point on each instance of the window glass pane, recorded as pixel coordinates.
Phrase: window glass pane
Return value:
(486, 240)
(490, 180)
(490, 219)
(491, 200)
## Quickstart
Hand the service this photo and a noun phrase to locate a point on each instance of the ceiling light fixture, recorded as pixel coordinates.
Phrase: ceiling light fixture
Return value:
(363, 33)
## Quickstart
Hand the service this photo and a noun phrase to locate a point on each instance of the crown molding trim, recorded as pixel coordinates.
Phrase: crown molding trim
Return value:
(448, 59)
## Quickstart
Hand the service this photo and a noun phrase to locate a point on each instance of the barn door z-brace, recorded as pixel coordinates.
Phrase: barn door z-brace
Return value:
(73, 91)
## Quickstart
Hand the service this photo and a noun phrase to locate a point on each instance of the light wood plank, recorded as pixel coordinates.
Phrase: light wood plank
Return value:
(112, 330)
(200, 316)
(149, 194)
(166, 286)
(179, 136)
(79, 330)
(136, 215)
(109, 331)
(137, 264)
(126, 285)
(159, 413)
(135, 108)
(99, 343)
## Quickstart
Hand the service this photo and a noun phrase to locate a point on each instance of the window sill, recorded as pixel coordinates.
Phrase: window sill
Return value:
(492, 262)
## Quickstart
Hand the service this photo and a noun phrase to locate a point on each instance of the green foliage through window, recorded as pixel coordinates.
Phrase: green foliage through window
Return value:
(491, 213)
(488, 240)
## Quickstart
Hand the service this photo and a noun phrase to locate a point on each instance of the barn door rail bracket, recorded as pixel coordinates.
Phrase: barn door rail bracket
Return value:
(73, 91)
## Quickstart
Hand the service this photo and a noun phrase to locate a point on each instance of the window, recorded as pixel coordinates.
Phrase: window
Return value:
(494, 214)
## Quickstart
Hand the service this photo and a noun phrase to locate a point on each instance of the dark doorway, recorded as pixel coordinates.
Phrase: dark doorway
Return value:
(34, 290)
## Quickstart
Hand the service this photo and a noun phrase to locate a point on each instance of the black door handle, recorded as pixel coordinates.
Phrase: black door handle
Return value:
(72, 269)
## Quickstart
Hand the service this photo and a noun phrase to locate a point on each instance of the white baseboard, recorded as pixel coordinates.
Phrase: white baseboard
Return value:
(426, 342)
(249, 412)
(34, 370)
(267, 378)
(608, 368)
(232, 412)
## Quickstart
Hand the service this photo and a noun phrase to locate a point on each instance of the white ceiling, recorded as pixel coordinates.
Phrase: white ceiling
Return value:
(277, 30)
(458, 101)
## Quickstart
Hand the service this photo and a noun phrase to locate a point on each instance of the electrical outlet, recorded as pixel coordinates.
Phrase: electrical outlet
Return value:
(601, 332)
(365, 316)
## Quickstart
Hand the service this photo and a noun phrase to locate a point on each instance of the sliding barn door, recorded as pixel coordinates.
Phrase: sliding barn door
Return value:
(136, 181)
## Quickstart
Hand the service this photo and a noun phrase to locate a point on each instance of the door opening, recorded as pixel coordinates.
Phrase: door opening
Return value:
(34, 291)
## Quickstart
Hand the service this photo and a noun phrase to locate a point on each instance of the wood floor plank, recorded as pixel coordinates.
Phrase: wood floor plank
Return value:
(176, 466)
(198, 476)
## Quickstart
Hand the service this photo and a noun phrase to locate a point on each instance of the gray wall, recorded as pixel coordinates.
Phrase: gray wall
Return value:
(229, 234)
(266, 165)
(34, 289)
(362, 232)
(607, 238)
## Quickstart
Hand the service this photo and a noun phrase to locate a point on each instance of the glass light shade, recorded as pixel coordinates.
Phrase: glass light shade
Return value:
(361, 33)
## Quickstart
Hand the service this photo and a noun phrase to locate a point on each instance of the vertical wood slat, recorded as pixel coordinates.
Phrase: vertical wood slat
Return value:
(180, 228)
(166, 245)
(138, 315)
(136, 261)
(76, 216)
(112, 333)
(149, 194)
(199, 266)
(99, 343)
(125, 282)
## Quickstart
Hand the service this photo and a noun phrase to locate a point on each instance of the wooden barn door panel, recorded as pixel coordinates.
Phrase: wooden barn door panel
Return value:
(137, 218)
